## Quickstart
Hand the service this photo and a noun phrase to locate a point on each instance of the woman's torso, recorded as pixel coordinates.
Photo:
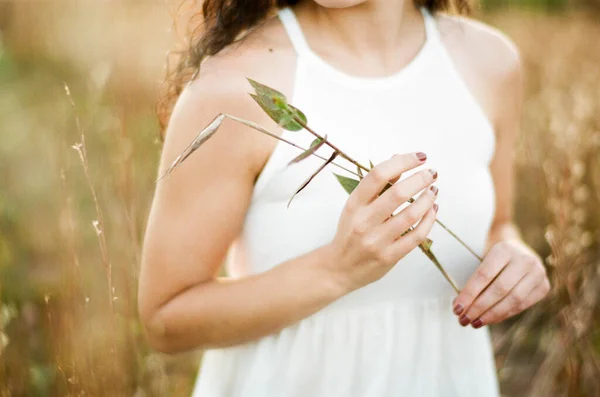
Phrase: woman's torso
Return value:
(396, 336)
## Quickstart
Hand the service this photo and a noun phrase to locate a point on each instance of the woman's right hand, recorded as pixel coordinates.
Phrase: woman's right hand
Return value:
(369, 239)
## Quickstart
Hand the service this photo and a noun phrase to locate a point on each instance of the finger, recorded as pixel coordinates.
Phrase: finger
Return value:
(395, 226)
(487, 270)
(524, 294)
(376, 179)
(539, 293)
(502, 286)
(384, 205)
(408, 242)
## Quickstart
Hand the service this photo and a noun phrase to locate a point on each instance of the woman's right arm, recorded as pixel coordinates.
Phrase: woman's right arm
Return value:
(199, 210)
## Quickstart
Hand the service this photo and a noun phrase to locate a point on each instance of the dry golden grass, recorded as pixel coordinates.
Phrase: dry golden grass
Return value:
(65, 332)
(553, 350)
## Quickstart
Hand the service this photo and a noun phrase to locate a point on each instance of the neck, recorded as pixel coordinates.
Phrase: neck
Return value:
(376, 37)
(372, 28)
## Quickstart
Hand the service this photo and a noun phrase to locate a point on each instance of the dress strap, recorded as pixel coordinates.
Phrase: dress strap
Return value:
(293, 29)
(296, 35)
(431, 29)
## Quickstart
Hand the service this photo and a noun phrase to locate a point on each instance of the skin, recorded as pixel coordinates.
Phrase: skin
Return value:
(184, 304)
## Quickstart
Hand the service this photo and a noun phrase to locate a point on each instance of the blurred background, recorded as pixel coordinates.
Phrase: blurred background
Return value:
(72, 215)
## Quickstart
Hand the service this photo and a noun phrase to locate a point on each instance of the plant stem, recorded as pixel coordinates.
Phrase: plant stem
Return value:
(437, 264)
(426, 250)
(98, 224)
(431, 256)
(459, 240)
(344, 155)
(412, 200)
(259, 128)
(331, 145)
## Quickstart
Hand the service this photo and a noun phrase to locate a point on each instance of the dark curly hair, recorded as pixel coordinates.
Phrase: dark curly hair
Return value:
(222, 23)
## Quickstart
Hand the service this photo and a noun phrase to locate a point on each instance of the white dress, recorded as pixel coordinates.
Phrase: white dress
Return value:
(397, 336)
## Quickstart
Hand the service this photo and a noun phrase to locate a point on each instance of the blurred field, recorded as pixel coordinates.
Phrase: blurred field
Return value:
(65, 330)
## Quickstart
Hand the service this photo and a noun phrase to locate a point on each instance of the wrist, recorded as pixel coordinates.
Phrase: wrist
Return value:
(500, 232)
(338, 283)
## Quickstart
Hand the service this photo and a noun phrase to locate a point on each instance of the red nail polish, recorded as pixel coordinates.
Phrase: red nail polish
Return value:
(433, 173)
(435, 207)
(477, 323)
(458, 309)
(421, 156)
(434, 189)
(464, 320)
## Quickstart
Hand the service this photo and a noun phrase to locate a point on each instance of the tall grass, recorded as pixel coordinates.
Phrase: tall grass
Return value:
(71, 221)
(554, 349)
(68, 326)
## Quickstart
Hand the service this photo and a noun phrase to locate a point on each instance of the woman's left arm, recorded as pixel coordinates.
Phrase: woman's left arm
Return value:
(511, 277)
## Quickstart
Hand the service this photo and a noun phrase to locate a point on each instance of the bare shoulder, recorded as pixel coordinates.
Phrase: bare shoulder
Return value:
(487, 59)
(484, 45)
(221, 86)
(264, 55)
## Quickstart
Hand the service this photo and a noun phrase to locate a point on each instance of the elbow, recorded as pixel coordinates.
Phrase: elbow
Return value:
(154, 329)
(156, 337)
(154, 325)
(162, 335)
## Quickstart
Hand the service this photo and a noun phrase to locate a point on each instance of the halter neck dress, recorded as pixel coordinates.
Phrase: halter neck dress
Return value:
(396, 337)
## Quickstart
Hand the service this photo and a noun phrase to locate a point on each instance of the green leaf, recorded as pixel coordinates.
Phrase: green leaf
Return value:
(348, 184)
(292, 114)
(283, 117)
(329, 160)
(314, 146)
(299, 114)
(371, 164)
(317, 141)
(275, 104)
(276, 97)
(360, 173)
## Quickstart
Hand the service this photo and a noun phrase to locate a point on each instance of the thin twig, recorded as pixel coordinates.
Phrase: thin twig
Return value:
(331, 145)
(269, 133)
(459, 240)
(427, 251)
(433, 258)
(411, 200)
(350, 159)
(196, 143)
(98, 224)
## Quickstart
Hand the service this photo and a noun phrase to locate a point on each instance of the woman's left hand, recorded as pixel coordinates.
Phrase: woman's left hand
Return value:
(510, 279)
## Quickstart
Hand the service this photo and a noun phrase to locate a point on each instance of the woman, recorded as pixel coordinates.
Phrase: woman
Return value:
(330, 297)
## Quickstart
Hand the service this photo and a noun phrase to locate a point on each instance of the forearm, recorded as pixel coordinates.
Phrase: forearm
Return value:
(226, 312)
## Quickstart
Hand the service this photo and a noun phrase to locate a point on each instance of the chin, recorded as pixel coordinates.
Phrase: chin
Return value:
(339, 3)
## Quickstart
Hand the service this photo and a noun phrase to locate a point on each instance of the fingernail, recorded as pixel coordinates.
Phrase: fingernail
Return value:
(458, 309)
(464, 320)
(421, 156)
(477, 323)
(433, 173)
(434, 189)
(435, 207)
